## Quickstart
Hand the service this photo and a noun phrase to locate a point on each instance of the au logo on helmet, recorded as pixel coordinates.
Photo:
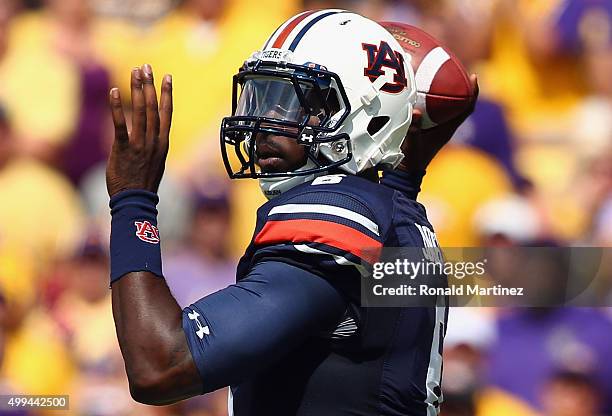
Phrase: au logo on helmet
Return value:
(383, 56)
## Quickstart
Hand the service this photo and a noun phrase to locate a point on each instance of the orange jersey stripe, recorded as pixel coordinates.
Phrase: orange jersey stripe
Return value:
(318, 231)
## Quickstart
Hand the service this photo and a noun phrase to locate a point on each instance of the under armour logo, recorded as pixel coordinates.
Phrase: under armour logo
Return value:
(202, 330)
(147, 232)
(306, 138)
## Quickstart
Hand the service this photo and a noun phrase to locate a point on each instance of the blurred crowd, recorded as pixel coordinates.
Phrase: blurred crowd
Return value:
(531, 166)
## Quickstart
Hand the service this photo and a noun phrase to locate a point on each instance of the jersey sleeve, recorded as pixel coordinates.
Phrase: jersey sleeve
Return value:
(331, 234)
(242, 329)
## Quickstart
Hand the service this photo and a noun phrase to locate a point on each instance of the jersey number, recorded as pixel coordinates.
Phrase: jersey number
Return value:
(328, 179)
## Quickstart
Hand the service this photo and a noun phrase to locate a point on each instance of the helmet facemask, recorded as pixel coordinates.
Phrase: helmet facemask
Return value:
(305, 103)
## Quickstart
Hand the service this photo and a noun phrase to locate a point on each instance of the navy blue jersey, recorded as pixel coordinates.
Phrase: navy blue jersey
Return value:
(339, 358)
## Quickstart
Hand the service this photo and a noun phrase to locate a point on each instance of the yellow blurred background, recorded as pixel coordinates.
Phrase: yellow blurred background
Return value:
(533, 164)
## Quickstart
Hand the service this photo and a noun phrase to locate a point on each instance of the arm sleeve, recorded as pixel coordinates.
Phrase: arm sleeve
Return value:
(245, 327)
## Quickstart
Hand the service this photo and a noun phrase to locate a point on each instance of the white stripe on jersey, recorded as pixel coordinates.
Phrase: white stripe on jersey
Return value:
(230, 402)
(345, 329)
(434, 370)
(327, 209)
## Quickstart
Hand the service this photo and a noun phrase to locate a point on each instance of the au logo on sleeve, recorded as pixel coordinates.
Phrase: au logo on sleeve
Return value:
(147, 232)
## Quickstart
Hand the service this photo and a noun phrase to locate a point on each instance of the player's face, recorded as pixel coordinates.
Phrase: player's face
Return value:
(277, 99)
(276, 154)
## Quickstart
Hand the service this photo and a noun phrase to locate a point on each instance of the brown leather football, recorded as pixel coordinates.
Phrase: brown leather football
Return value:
(444, 90)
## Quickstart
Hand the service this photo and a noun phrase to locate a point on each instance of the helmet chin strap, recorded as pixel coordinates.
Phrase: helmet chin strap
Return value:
(273, 187)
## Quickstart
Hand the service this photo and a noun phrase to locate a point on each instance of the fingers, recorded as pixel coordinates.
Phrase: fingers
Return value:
(475, 86)
(476, 89)
(415, 125)
(417, 118)
(148, 125)
(165, 109)
(121, 132)
(139, 116)
(150, 98)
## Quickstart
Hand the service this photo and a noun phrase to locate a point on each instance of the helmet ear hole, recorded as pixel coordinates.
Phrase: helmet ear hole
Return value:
(376, 124)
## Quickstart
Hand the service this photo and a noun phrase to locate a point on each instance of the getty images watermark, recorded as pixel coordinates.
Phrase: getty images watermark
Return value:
(459, 270)
(502, 276)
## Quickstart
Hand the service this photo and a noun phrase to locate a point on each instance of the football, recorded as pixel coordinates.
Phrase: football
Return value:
(444, 90)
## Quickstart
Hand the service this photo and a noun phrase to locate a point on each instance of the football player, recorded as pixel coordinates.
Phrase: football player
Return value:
(316, 113)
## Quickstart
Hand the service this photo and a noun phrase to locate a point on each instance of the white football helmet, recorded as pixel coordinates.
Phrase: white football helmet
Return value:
(333, 80)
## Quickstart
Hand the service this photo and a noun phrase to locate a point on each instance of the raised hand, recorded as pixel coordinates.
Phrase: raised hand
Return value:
(137, 158)
(420, 146)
